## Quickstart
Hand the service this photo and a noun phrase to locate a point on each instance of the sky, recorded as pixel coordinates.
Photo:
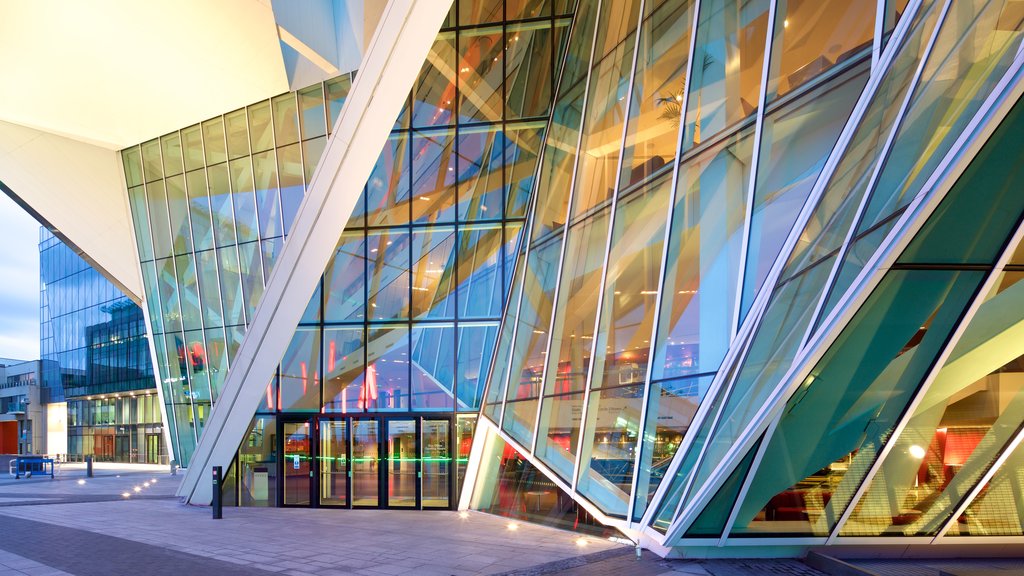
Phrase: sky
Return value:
(19, 282)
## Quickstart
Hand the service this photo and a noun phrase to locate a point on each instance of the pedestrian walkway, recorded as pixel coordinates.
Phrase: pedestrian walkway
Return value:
(43, 548)
(129, 522)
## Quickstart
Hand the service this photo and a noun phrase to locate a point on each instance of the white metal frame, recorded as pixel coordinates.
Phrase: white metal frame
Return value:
(403, 38)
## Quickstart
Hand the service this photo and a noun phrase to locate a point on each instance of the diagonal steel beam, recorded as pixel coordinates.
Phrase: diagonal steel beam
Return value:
(393, 60)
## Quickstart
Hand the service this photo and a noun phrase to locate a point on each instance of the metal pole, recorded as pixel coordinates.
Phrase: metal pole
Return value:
(217, 503)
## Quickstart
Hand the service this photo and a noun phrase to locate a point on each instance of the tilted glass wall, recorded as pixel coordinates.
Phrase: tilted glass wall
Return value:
(95, 354)
(617, 193)
(406, 314)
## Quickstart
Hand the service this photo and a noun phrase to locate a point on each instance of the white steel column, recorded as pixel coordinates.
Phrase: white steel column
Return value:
(393, 60)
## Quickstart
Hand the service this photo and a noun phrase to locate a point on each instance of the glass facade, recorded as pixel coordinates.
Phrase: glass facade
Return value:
(660, 314)
(703, 270)
(406, 315)
(95, 355)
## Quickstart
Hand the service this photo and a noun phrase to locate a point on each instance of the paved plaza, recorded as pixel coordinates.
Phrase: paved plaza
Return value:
(127, 521)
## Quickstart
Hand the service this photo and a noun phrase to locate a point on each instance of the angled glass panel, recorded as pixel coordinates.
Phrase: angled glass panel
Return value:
(529, 74)
(478, 271)
(519, 419)
(770, 356)
(795, 144)
(170, 150)
(971, 53)
(972, 222)
(286, 119)
(131, 159)
(976, 45)
(480, 64)
(970, 413)
(845, 410)
(345, 389)
(999, 506)
(214, 142)
(336, 90)
(192, 147)
(623, 344)
(216, 359)
(790, 311)
(831, 220)
(533, 321)
(268, 200)
(572, 336)
(605, 110)
(387, 189)
(159, 219)
(433, 93)
(509, 485)
(813, 37)
(671, 406)
(299, 388)
(497, 372)
(188, 292)
(290, 175)
(725, 82)
(476, 344)
(344, 280)
(209, 288)
(711, 521)
(178, 211)
(140, 218)
(894, 9)
(231, 286)
(704, 258)
(387, 369)
(243, 196)
(200, 214)
(557, 166)
(167, 287)
(261, 129)
(609, 445)
(387, 274)
(433, 272)
(657, 93)
(433, 177)
(522, 144)
(152, 164)
(250, 264)
(312, 112)
(480, 173)
(236, 133)
(480, 12)
(220, 203)
(432, 360)
(559, 432)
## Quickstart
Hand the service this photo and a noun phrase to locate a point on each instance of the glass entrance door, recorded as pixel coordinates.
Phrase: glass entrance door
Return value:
(402, 465)
(298, 474)
(437, 463)
(364, 462)
(333, 463)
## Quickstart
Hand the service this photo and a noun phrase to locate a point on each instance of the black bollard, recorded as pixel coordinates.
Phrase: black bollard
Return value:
(88, 466)
(217, 504)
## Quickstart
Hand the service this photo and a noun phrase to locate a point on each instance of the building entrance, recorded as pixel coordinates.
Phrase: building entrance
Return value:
(403, 462)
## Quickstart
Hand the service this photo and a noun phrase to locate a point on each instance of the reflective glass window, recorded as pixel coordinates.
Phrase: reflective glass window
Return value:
(812, 37)
(432, 362)
(433, 177)
(299, 387)
(345, 388)
(387, 369)
(725, 82)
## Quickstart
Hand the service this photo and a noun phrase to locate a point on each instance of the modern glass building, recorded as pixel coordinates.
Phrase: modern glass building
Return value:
(724, 277)
(96, 361)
